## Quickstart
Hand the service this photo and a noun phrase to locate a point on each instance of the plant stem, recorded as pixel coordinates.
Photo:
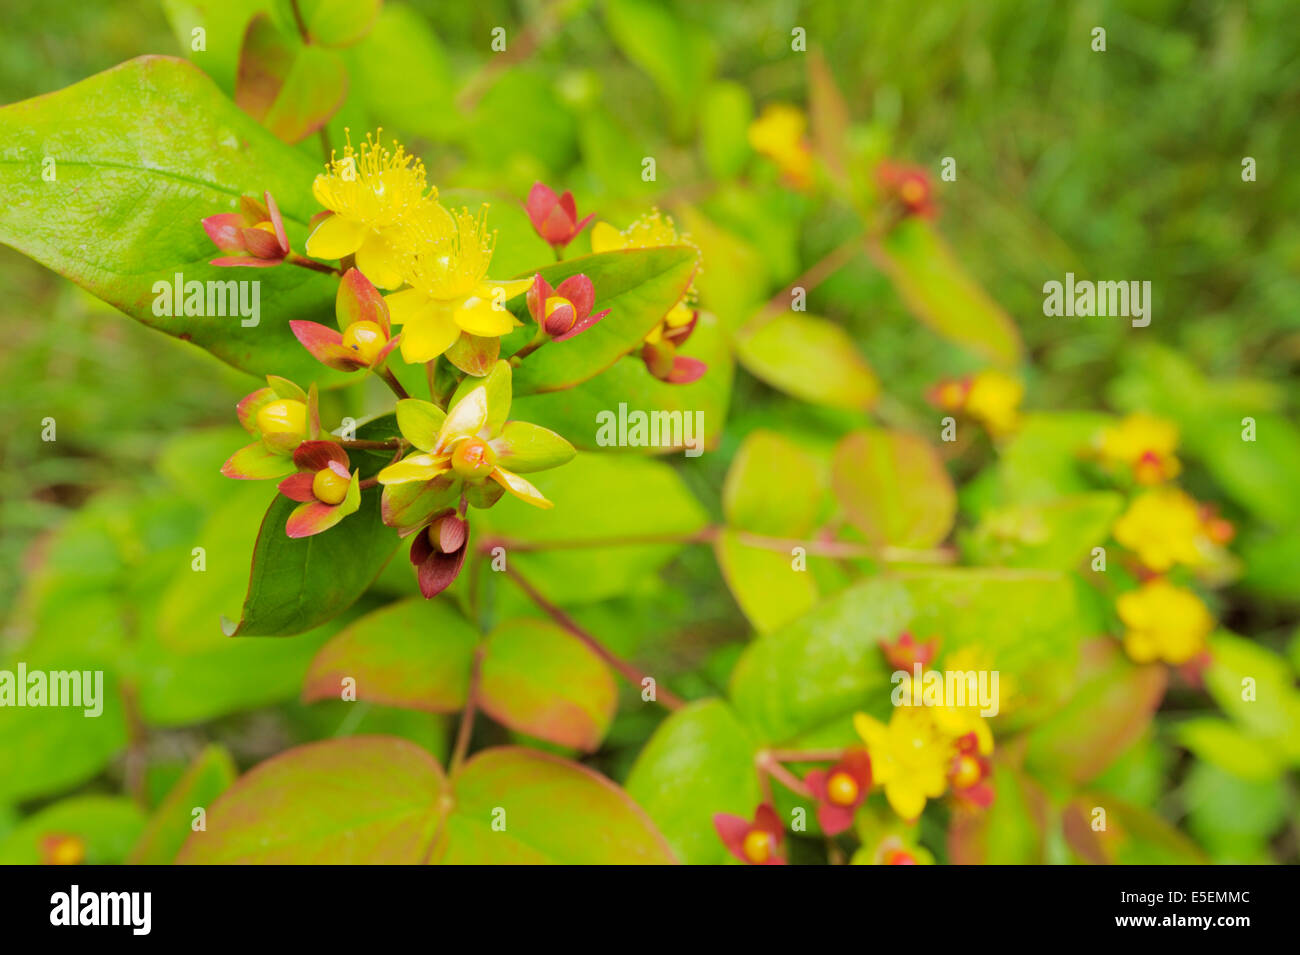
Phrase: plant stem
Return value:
(306, 263)
(768, 764)
(815, 275)
(817, 548)
(466, 728)
(806, 756)
(391, 381)
(663, 695)
(361, 444)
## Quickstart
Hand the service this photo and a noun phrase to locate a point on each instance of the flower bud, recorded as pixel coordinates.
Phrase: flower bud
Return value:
(758, 846)
(560, 315)
(329, 486)
(283, 416)
(447, 534)
(367, 339)
(842, 789)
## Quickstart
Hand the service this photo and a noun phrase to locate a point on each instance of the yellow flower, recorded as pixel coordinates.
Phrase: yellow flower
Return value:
(446, 264)
(1144, 443)
(994, 399)
(778, 134)
(1164, 622)
(372, 194)
(1163, 527)
(909, 758)
(651, 231)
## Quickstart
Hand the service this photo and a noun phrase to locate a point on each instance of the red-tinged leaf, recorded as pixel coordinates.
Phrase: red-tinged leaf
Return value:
(325, 345)
(256, 462)
(1010, 832)
(811, 358)
(538, 679)
(361, 800)
(1133, 835)
(311, 518)
(939, 292)
(264, 63)
(359, 301)
(1109, 709)
(313, 91)
(415, 654)
(211, 774)
(894, 488)
(773, 486)
(553, 811)
(473, 354)
(226, 231)
(298, 487)
(435, 569)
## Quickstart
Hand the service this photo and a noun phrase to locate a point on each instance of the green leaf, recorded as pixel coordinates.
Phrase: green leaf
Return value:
(106, 825)
(699, 762)
(223, 23)
(773, 486)
(1055, 535)
(678, 55)
(208, 777)
(525, 448)
(298, 584)
(823, 666)
(415, 653)
(1232, 817)
(725, 114)
(597, 497)
(143, 152)
(1255, 686)
(894, 488)
(812, 359)
(1010, 832)
(1231, 748)
(939, 292)
(360, 801)
(765, 583)
(579, 413)
(1135, 836)
(539, 680)
(549, 810)
(401, 73)
(1108, 711)
(313, 90)
(420, 421)
(638, 286)
(339, 22)
(1041, 462)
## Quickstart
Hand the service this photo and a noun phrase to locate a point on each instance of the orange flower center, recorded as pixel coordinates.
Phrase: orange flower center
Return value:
(366, 339)
(899, 857)
(329, 486)
(967, 772)
(758, 846)
(913, 192)
(842, 789)
(473, 459)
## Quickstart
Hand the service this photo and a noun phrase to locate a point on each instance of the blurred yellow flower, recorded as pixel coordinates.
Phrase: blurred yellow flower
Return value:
(1163, 527)
(1144, 443)
(446, 264)
(1164, 622)
(372, 193)
(909, 758)
(778, 134)
(653, 230)
(994, 400)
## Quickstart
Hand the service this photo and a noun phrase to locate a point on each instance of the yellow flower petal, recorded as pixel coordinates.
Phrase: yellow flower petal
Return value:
(402, 306)
(906, 798)
(427, 335)
(336, 237)
(465, 419)
(416, 467)
(478, 315)
(512, 287)
(378, 262)
(520, 488)
(605, 238)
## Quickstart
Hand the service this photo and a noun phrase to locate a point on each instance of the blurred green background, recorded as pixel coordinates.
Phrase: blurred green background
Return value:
(1122, 164)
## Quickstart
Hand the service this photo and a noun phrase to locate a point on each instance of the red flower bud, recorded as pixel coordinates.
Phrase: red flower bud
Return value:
(255, 234)
(554, 217)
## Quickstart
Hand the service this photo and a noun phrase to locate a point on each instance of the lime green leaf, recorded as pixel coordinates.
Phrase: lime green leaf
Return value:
(765, 583)
(339, 22)
(1231, 748)
(773, 487)
(894, 488)
(362, 800)
(597, 497)
(313, 91)
(298, 584)
(208, 777)
(726, 111)
(1135, 836)
(518, 806)
(415, 653)
(638, 286)
(420, 421)
(222, 23)
(1109, 709)
(121, 218)
(523, 448)
(699, 762)
(937, 290)
(106, 825)
(1255, 686)
(823, 666)
(1055, 535)
(539, 680)
(401, 73)
(812, 359)
(1232, 817)
(1042, 461)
